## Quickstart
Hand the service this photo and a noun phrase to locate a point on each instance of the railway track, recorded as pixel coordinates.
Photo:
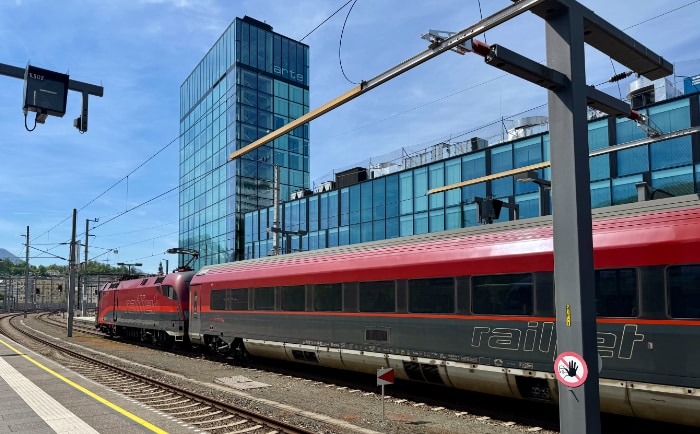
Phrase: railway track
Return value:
(201, 412)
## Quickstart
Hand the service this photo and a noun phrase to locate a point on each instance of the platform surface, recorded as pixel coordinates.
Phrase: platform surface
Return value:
(39, 396)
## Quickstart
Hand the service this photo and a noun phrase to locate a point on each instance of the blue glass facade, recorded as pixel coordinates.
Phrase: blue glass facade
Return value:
(397, 205)
(251, 82)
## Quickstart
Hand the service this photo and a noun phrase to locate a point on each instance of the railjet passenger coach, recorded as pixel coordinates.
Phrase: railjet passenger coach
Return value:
(469, 308)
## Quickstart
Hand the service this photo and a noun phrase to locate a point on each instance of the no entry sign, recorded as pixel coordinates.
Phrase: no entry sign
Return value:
(570, 369)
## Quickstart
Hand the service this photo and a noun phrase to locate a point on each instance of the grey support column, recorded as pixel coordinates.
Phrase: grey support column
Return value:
(579, 407)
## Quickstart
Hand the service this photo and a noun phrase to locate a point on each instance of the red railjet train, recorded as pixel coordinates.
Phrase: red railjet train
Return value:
(468, 308)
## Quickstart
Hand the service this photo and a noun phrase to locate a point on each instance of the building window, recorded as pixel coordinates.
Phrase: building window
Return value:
(627, 130)
(379, 199)
(678, 181)
(600, 194)
(473, 166)
(406, 193)
(671, 153)
(528, 205)
(420, 189)
(599, 167)
(501, 158)
(453, 175)
(502, 187)
(671, 116)
(634, 160)
(598, 135)
(527, 152)
(420, 223)
(392, 196)
(436, 220)
(624, 190)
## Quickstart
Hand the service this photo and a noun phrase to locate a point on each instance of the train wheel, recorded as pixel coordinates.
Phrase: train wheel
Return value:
(239, 353)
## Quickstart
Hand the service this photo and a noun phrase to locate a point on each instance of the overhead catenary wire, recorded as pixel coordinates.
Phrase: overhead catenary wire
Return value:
(340, 44)
(209, 111)
(176, 139)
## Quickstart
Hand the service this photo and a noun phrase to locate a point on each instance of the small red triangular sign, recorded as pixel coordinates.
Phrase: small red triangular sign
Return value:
(385, 376)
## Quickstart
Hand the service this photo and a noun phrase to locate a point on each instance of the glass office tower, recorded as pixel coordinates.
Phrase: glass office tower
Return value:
(251, 82)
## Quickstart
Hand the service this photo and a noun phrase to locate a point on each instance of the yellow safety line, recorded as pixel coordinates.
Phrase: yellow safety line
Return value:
(88, 393)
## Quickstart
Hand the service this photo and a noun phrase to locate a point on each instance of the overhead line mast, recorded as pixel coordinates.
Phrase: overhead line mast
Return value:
(568, 26)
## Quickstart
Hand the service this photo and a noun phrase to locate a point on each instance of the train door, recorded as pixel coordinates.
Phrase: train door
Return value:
(115, 304)
(161, 291)
(195, 319)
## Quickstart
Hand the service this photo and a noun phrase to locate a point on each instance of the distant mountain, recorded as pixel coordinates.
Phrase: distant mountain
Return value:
(4, 254)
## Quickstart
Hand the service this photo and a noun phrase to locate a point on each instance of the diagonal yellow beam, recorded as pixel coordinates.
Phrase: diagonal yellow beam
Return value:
(296, 123)
(608, 150)
(520, 7)
(490, 177)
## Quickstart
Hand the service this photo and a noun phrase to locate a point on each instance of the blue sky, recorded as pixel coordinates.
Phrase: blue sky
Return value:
(142, 50)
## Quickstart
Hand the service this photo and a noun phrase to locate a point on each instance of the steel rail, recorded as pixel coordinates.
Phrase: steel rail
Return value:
(258, 418)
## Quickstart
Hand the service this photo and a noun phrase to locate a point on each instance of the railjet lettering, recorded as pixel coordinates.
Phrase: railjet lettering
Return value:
(540, 337)
(290, 74)
(140, 303)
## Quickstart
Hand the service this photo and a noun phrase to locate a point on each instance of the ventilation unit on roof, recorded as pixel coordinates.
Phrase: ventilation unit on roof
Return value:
(439, 151)
(415, 160)
(478, 143)
(350, 177)
(460, 148)
(642, 92)
(299, 194)
(382, 169)
(527, 126)
(325, 186)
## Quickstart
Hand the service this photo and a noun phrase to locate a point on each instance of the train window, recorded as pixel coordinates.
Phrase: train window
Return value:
(238, 298)
(218, 299)
(328, 297)
(502, 294)
(435, 295)
(264, 298)
(616, 292)
(379, 296)
(683, 284)
(293, 298)
(169, 291)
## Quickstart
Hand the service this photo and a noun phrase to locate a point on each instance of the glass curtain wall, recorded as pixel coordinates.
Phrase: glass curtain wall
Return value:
(397, 205)
(251, 82)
